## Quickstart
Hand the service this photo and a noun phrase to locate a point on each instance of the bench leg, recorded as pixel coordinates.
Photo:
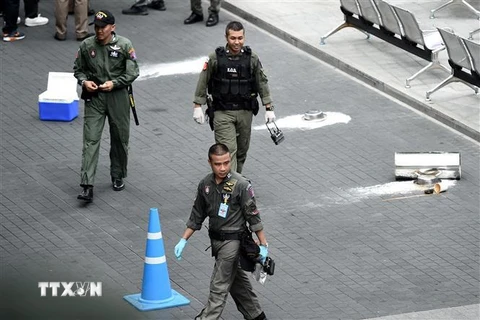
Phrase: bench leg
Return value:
(469, 6)
(432, 12)
(340, 27)
(434, 64)
(470, 35)
(449, 80)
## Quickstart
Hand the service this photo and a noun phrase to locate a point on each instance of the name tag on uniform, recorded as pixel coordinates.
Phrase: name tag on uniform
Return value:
(222, 211)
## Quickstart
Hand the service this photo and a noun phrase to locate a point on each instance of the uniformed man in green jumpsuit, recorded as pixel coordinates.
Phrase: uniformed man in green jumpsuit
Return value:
(105, 66)
(234, 77)
(228, 200)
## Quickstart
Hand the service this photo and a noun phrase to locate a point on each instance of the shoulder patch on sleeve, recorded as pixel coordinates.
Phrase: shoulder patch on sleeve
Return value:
(250, 190)
(205, 65)
(132, 54)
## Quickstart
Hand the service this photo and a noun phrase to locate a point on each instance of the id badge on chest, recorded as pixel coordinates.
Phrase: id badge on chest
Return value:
(223, 210)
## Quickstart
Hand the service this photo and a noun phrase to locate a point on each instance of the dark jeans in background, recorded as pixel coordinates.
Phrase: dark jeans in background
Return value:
(31, 8)
(10, 15)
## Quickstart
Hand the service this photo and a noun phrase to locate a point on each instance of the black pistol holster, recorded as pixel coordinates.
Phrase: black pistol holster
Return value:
(249, 252)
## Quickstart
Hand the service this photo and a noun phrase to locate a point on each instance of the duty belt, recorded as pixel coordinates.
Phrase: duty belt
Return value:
(222, 236)
(242, 105)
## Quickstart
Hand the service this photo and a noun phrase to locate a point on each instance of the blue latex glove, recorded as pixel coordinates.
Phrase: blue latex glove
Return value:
(179, 248)
(263, 254)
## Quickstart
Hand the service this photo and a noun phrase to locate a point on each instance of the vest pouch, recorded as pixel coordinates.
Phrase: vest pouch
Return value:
(234, 87)
(244, 88)
(224, 87)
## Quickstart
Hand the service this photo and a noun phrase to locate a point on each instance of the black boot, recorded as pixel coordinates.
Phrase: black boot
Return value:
(193, 18)
(86, 194)
(118, 184)
(212, 20)
(261, 316)
(157, 5)
(136, 10)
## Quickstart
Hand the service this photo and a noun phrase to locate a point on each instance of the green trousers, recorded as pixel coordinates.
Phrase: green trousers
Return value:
(227, 277)
(233, 128)
(196, 6)
(114, 106)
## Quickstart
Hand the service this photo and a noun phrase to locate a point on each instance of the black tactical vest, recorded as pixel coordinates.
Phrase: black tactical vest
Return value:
(232, 84)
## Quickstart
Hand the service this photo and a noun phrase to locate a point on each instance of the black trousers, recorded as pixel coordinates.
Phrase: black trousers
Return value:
(31, 8)
(10, 15)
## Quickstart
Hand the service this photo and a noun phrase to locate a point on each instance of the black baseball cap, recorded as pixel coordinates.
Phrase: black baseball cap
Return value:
(102, 18)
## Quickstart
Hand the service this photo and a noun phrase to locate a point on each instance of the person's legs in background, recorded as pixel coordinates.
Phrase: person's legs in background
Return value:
(197, 12)
(32, 17)
(213, 11)
(81, 20)
(10, 15)
(61, 14)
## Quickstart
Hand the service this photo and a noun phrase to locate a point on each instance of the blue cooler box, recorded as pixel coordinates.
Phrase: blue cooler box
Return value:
(58, 111)
(60, 101)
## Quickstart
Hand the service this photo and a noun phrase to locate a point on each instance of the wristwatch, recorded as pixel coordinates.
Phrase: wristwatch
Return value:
(270, 108)
(83, 82)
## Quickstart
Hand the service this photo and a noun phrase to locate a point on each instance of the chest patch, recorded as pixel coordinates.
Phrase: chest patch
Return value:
(93, 53)
(114, 54)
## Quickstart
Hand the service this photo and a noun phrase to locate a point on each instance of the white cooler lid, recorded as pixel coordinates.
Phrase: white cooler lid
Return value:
(61, 88)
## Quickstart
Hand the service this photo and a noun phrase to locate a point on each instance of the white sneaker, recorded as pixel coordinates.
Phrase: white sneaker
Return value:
(19, 20)
(38, 21)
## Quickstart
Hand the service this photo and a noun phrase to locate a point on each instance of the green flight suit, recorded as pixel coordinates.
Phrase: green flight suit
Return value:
(196, 7)
(227, 276)
(116, 62)
(233, 127)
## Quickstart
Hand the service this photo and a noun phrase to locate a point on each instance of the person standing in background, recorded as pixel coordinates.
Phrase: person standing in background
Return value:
(10, 15)
(80, 8)
(197, 12)
(32, 17)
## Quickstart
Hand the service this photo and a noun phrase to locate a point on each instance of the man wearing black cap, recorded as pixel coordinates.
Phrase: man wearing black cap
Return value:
(105, 66)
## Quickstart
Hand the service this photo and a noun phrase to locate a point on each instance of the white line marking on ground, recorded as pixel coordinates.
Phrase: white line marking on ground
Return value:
(297, 121)
(149, 71)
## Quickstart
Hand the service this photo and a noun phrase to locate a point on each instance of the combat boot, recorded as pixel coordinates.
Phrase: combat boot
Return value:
(139, 8)
(118, 184)
(212, 20)
(86, 194)
(157, 5)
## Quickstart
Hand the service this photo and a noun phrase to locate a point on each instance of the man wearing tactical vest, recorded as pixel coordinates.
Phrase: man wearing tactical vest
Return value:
(233, 76)
(228, 200)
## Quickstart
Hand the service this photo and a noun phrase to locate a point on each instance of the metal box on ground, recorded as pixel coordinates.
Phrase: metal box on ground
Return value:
(60, 101)
(409, 164)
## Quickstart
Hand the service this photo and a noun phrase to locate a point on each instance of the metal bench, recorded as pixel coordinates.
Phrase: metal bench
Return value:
(430, 40)
(464, 59)
(393, 25)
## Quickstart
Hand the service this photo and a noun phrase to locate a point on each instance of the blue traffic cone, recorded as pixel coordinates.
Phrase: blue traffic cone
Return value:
(156, 290)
